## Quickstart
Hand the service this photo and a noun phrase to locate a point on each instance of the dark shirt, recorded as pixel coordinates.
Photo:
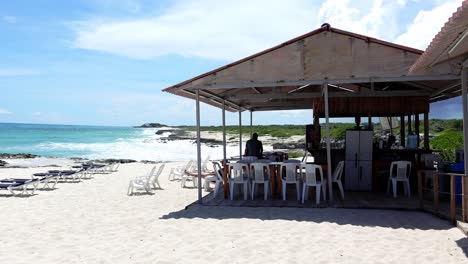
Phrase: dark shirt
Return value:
(254, 148)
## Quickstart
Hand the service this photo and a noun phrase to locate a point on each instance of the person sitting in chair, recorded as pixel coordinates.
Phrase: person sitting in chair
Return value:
(254, 147)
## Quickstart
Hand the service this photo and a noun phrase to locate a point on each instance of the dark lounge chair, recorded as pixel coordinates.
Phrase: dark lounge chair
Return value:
(22, 185)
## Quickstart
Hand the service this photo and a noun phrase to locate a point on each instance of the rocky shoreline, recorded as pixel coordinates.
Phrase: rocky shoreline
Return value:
(214, 139)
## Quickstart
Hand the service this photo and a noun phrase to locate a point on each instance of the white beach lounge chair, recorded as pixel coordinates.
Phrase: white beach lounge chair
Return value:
(115, 167)
(189, 175)
(178, 172)
(154, 182)
(217, 178)
(141, 183)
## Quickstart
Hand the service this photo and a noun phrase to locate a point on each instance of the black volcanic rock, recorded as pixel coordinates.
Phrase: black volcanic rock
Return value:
(114, 161)
(3, 163)
(18, 156)
(151, 125)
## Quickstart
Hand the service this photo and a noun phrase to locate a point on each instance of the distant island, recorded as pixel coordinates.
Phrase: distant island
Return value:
(151, 125)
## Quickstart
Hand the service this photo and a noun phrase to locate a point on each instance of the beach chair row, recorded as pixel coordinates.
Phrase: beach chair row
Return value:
(48, 180)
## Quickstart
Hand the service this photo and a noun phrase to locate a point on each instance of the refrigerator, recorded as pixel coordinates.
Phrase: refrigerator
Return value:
(358, 160)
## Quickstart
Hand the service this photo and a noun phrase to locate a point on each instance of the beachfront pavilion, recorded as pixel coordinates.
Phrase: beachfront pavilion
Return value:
(341, 74)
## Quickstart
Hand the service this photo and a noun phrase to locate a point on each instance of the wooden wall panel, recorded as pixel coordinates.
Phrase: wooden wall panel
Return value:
(376, 106)
(318, 57)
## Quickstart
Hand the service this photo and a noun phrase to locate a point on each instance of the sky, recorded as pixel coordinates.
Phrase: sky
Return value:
(105, 62)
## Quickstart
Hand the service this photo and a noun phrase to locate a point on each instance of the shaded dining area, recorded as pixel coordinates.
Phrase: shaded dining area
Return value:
(339, 74)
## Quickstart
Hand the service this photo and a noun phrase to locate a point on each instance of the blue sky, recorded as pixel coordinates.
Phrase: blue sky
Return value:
(104, 62)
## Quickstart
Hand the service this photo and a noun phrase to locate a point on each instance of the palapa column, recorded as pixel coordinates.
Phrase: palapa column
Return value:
(224, 131)
(402, 131)
(426, 131)
(465, 137)
(251, 132)
(198, 147)
(240, 133)
(416, 128)
(327, 129)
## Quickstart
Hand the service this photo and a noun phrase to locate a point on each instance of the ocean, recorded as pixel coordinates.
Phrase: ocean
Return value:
(98, 142)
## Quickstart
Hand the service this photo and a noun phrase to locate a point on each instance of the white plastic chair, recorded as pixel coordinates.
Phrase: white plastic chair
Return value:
(310, 180)
(179, 171)
(290, 175)
(403, 170)
(115, 168)
(217, 178)
(205, 168)
(431, 164)
(186, 176)
(239, 174)
(155, 178)
(336, 178)
(260, 173)
(141, 183)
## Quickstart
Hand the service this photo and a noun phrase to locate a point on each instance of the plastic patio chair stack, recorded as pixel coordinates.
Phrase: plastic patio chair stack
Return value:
(310, 180)
(260, 175)
(336, 178)
(239, 175)
(402, 173)
(289, 175)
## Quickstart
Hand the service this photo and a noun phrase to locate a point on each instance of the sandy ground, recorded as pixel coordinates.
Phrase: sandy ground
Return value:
(94, 221)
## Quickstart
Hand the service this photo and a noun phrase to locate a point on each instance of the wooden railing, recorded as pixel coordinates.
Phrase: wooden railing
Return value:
(436, 191)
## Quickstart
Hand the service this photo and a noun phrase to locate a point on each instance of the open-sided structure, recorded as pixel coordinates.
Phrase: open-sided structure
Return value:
(338, 73)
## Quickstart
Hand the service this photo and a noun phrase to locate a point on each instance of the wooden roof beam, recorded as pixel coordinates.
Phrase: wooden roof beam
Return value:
(239, 85)
(331, 94)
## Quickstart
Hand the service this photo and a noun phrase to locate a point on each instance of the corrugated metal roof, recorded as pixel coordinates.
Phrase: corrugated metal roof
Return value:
(450, 33)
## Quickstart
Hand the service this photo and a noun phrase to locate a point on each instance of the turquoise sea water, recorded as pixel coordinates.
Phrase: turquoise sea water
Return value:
(52, 140)
(97, 142)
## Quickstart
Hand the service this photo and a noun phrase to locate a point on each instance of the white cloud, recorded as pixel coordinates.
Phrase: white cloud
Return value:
(9, 19)
(37, 113)
(375, 18)
(427, 24)
(211, 29)
(14, 72)
(4, 111)
(229, 30)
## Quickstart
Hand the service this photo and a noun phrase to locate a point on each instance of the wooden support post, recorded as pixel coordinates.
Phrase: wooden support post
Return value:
(226, 182)
(402, 131)
(464, 88)
(357, 120)
(369, 121)
(327, 130)
(453, 213)
(410, 129)
(436, 192)
(420, 188)
(464, 200)
(198, 147)
(316, 137)
(416, 128)
(426, 131)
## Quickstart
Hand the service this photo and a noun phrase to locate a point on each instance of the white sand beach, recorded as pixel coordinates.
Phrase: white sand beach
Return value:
(94, 221)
